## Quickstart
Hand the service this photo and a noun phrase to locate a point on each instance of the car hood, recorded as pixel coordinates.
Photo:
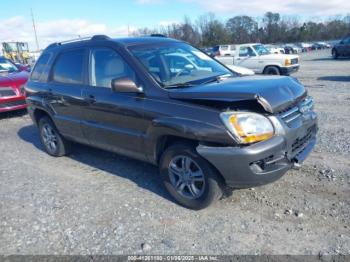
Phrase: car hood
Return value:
(13, 79)
(273, 93)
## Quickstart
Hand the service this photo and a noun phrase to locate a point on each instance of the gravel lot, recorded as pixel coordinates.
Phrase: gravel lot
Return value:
(95, 202)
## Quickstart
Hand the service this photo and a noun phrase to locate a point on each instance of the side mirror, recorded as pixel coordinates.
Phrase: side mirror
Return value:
(341, 42)
(189, 67)
(125, 85)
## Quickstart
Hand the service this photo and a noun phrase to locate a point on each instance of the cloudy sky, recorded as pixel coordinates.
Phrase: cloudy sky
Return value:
(63, 19)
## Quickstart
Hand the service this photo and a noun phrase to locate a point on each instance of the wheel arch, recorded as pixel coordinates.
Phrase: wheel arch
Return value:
(272, 65)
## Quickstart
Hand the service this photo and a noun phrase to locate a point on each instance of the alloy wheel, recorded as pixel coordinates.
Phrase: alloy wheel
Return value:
(186, 177)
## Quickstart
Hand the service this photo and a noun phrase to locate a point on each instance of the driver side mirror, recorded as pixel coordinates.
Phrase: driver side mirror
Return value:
(125, 85)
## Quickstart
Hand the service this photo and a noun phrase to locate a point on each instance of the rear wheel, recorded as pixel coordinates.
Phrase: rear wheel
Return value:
(53, 142)
(189, 178)
(272, 70)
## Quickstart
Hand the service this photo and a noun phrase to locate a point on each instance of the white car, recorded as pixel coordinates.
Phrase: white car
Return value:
(257, 58)
(275, 49)
(224, 50)
(179, 61)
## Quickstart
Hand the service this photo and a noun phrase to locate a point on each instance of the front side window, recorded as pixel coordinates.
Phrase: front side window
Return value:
(7, 66)
(106, 65)
(68, 68)
(178, 63)
(40, 67)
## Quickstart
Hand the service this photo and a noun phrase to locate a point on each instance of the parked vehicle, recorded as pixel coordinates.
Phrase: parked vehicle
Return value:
(324, 45)
(179, 60)
(273, 49)
(224, 50)
(205, 129)
(342, 48)
(12, 81)
(257, 58)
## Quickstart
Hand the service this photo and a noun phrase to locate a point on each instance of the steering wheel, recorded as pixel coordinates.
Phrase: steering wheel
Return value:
(188, 68)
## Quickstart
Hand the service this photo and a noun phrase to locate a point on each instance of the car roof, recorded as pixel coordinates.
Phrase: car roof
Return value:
(125, 42)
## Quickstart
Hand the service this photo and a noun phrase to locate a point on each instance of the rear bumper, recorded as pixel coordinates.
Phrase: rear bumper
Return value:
(11, 104)
(263, 162)
(290, 69)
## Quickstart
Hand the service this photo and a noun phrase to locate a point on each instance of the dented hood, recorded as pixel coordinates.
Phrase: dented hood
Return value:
(274, 93)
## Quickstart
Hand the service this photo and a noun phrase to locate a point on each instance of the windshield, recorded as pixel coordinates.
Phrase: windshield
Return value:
(174, 64)
(7, 65)
(261, 49)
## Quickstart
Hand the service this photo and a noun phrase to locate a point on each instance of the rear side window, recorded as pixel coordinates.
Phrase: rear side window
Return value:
(40, 67)
(68, 68)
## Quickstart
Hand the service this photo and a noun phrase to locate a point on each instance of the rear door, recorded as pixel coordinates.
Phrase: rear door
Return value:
(64, 95)
(112, 120)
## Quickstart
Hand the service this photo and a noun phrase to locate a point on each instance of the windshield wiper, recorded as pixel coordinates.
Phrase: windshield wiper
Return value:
(178, 85)
(216, 79)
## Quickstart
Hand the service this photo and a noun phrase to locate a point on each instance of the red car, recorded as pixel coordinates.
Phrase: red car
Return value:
(12, 81)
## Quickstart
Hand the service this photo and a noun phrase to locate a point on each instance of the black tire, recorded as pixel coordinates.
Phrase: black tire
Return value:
(335, 54)
(211, 187)
(272, 70)
(62, 146)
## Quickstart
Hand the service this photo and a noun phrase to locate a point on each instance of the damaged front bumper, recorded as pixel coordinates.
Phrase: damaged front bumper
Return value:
(265, 162)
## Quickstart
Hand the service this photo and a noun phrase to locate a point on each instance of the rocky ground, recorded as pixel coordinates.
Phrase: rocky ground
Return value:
(95, 202)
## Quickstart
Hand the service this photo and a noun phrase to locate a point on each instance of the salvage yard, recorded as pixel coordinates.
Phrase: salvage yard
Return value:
(96, 202)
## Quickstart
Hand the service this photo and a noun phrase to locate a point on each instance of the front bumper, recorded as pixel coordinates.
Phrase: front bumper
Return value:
(12, 104)
(290, 69)
(264, 162)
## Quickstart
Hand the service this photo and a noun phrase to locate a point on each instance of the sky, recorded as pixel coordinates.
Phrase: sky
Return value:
(67, 19)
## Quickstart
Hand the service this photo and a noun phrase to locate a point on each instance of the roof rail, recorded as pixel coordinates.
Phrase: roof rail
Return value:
(100, 37)
(92, 38)
(158, 35)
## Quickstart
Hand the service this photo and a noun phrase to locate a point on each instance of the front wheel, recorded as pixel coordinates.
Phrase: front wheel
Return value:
(272, 70)
(189, 178)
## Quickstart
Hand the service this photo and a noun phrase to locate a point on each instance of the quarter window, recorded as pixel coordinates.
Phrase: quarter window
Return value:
(68, 68)
(40, 67)
(106, 65)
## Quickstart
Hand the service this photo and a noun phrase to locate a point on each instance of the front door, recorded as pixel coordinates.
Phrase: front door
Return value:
(247, 58)
(112, 120)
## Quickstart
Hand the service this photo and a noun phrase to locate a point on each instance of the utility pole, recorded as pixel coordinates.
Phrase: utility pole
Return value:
(36, 37)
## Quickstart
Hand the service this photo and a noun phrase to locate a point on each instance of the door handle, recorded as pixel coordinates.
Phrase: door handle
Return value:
(90, 99)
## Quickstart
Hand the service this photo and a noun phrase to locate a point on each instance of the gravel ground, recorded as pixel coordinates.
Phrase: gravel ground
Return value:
(95, 202)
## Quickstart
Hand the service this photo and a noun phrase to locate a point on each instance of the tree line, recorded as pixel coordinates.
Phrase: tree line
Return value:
(208, 30)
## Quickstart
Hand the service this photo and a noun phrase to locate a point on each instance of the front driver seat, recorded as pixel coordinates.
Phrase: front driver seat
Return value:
(115, 68)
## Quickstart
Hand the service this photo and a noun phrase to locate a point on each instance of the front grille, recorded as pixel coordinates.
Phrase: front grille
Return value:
(6, 92)
(294, 61)
(300, 143)
(292, 114)
(11, 104)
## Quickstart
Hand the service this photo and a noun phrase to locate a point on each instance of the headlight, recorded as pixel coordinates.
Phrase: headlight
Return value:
(287, 62)
(248, 127)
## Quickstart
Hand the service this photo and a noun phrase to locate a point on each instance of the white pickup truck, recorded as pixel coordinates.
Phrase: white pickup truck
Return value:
(257, 58)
